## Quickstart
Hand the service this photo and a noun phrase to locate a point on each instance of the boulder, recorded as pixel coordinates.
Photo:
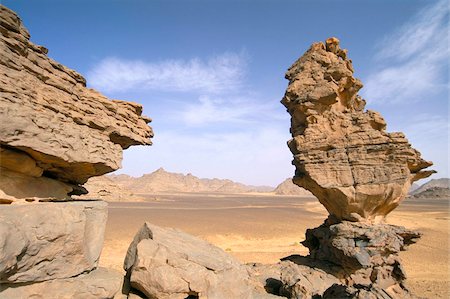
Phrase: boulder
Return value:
(292, 279)
(100, 283)
(52, 125)
(167, 263)
(342, 153)
(355, 245)
(50, 240)
(365, 257)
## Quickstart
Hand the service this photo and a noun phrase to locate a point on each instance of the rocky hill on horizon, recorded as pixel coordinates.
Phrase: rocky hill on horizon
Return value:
(435, 188)
(440, 183)
(287, 187)
(162, 181)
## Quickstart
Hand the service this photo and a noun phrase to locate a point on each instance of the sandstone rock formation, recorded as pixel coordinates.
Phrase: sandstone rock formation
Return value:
(54, 134)
(343, 154)
(53, 127)
(287, 187)
(290, 279)
(50, 240)
(99, 283)
(167, 263)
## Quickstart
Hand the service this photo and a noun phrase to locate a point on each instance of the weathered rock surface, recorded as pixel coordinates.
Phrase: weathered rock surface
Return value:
(366, 256)
(287, 187)
(100, 283)
(50, 240)
(292, 280)
(365, 292)
(52, 125)
(17, 187)
(356, 245)
(343, 154)
(167, 263)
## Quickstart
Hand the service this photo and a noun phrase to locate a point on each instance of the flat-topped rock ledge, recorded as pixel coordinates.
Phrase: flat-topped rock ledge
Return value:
(55, 133)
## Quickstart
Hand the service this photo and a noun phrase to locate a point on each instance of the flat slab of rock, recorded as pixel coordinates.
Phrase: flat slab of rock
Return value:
(50, 240)
(100, 283)
(342, 153)
(167, 263)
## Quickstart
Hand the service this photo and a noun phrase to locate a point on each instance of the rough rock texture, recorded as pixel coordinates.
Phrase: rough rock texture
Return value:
(292, 280)
(53, 125)
(100, 283)
(287, 187)
(366, 253)
(167, 263)
(50, 240)
(347, 260)
(343, 154)
(355, 245)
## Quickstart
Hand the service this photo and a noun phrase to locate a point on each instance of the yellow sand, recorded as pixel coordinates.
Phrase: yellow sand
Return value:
(264, 229)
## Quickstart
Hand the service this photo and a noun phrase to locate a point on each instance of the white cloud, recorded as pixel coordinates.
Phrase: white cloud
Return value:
(413, 60)
(233, 110)
(429, 134)
(217, 74)
(421, 33)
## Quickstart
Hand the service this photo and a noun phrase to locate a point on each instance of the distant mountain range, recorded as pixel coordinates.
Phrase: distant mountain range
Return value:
(161, 181)
(436, 188)
(127, 188)
(287, 187)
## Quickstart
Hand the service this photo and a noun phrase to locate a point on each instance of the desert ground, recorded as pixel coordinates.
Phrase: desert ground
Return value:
(265, 228)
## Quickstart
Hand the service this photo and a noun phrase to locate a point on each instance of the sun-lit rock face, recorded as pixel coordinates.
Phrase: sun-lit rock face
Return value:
(52, 126)
(342, 153)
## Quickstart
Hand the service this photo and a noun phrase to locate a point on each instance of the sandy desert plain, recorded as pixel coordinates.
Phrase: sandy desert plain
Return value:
(263, 228)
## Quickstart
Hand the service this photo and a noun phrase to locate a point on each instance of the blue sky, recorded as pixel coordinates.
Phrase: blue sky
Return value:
(211, 73)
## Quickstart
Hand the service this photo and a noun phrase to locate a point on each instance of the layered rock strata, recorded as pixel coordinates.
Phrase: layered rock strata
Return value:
(55, 133)
(357, 170)
(52, 126)
(342, 153)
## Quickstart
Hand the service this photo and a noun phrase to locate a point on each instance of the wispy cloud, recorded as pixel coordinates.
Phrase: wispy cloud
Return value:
(429, 134)
(232, 110)
(217, 74)
(413, 61)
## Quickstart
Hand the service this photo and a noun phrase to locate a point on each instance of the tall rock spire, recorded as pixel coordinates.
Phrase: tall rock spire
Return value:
(342, 153)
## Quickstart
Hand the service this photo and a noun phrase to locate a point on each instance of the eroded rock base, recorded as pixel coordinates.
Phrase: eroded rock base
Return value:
(347, 260)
